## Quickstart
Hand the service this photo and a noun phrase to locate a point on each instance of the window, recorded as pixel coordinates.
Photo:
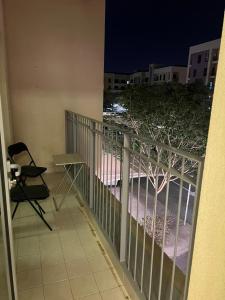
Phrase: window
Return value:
(205, 72)
(109, 87)
(215, 54)
(194, 73)
(189, 74)
(164, 76)
(116, 81)
(123, 81)
(116, 87)
(175, 76)
(199, 58)
(109, 80)
(213, 71)
(146, 79)
(160, 77)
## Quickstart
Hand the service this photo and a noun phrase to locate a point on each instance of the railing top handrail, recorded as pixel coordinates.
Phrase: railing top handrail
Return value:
(152, 142)
(148, 141)
(82, 116)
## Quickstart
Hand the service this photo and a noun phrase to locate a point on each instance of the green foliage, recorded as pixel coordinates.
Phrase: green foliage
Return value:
(170, 113)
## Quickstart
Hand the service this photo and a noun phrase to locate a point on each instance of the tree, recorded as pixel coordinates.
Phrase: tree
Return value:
(171, 114)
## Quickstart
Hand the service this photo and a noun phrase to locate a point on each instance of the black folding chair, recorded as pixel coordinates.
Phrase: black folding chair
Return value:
(30, 193)
(31, 170)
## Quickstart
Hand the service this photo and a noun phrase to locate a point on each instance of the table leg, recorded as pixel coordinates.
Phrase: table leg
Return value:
(61, 183)
(72, 183)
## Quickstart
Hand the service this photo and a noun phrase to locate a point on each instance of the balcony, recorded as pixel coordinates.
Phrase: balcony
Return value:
(110, 239)
(68, 263)
(143, 238)
(127, 192)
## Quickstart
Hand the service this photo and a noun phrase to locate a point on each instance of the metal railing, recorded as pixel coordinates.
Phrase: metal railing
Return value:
(144, 196)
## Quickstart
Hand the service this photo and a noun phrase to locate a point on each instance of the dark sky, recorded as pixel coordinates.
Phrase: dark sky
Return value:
(142, 32)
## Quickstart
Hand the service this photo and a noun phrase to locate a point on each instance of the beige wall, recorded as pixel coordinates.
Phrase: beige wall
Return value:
(207, 279)
(56, 62)
(5, 103)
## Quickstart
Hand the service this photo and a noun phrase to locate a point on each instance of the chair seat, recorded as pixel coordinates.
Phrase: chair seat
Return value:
(33, 192)
(32, 171)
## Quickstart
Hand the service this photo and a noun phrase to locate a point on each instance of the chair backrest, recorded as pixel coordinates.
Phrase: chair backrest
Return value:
(17, 149)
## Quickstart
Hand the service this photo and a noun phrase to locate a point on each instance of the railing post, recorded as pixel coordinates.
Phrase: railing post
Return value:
(124, 197)
(74, 132)
(92, 164)
(66, 131)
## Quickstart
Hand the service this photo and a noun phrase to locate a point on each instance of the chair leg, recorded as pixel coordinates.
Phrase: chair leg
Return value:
(41, 216)
(15, 209)
(39, 206)
(44, 181)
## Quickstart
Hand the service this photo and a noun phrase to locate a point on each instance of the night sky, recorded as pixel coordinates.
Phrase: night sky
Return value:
(143, 32)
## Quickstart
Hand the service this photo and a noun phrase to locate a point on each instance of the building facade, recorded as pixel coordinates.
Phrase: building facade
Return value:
(140, 78)
(115, 82)
(169, 74)
(202, 63)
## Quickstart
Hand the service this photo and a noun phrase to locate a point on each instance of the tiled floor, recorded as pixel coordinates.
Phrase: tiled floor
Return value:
(66, 263)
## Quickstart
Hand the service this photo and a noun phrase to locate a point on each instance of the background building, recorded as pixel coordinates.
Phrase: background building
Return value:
(168, 74)
(115, 82)
(139, 78)
(202, 62)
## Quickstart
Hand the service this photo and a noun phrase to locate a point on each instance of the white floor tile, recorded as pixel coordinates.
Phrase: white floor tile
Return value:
(105, 280)
(28, 262)
(58, 291)
(83, 286)
(32, 294)
(78, 267)
(114, 294)
(54, 273)
(29, 279)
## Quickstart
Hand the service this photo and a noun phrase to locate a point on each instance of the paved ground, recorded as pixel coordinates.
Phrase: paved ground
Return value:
(137, 207)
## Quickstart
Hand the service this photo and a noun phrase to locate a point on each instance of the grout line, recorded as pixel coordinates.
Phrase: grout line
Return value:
(65, 263)
(108, 261)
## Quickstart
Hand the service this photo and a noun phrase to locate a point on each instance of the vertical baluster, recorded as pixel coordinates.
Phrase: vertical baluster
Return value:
(194, 222)
(177, 227)
(124, 197)
(153, 225)
(131, 206)
(143, 247)
(103, 192)
(164, 226)
(115, 193)
(137, 216)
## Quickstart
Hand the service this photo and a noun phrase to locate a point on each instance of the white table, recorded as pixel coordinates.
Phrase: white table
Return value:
(67, 161)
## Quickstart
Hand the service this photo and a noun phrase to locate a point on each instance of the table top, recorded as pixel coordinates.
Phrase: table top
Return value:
(67, 159)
